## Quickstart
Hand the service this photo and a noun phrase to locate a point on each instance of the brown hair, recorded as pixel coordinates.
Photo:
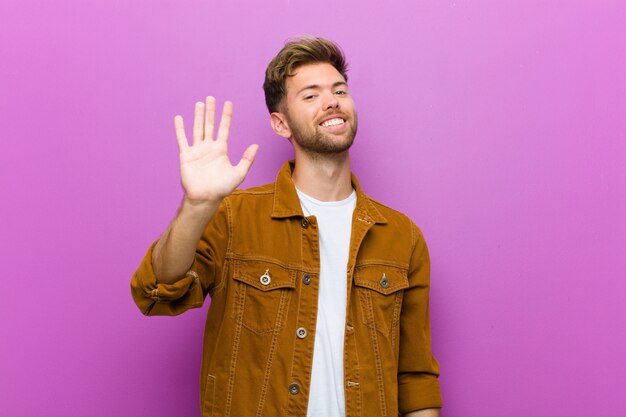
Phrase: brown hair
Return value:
(295, 53)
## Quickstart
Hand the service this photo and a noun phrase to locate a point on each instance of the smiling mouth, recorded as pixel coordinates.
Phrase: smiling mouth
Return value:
(336, 121)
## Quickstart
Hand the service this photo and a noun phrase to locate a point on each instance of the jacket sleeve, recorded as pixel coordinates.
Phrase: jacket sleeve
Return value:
(154, 298)
(418, 370)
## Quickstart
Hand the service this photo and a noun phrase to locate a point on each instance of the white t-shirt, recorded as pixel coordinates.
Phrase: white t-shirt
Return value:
(334, 220)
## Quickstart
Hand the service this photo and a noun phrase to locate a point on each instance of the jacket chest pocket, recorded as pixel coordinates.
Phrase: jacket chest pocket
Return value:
(380, 289)
(263, 292)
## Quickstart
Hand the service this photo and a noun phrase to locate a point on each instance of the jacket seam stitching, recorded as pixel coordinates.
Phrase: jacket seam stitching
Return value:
(379, 370)
(252, 192)
(357, 374)
(291, 266)
(381, 262)
(229, 222)
(230, 226)
(233, 360)
(396, 317)
(270, 359)
(212, 394)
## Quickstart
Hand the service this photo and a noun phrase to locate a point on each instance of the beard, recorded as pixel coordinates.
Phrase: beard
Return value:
(316, 142)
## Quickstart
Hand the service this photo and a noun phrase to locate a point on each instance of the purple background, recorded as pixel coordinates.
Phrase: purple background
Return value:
(498, 126)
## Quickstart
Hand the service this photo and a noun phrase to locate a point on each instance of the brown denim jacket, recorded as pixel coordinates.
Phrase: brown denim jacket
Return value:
(259, 261)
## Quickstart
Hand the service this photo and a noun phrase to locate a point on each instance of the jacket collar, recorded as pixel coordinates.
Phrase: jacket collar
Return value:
(287, 203)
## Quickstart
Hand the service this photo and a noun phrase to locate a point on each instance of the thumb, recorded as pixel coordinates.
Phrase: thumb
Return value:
(247, 159)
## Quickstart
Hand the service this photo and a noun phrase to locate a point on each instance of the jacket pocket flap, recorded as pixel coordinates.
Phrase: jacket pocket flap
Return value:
(264, 276)
(384, 279)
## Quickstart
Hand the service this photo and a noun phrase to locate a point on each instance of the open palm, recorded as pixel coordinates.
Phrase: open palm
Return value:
(206, 172)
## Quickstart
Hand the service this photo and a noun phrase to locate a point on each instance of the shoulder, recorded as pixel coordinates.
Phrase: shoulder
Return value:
(244, 198)
(258, 190)
(397, 220)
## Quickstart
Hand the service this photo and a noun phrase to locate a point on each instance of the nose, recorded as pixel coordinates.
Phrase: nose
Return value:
(330, 101)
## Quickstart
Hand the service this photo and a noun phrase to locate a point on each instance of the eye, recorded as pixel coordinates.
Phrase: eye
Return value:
(309, 97)
(341, 92)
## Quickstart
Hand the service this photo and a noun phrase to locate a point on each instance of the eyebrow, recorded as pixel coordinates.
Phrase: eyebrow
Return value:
(317, 87)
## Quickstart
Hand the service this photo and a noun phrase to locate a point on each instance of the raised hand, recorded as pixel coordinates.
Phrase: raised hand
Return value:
(206, 173)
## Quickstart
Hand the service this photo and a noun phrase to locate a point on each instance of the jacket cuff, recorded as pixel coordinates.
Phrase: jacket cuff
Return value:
(418, 392)
(154, 298)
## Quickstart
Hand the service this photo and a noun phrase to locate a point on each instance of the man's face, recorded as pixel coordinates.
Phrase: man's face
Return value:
(319, 110)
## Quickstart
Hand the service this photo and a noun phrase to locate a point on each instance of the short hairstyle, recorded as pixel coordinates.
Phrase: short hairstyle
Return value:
(297, 52)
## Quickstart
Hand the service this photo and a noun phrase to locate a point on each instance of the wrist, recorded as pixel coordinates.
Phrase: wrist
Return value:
(198, 210)
(200, 203)
(195, 214)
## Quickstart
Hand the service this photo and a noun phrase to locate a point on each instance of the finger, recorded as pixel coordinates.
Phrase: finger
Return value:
(180, 133)
(246, 161)
(209, 118)
(198, 123)
(227, 117)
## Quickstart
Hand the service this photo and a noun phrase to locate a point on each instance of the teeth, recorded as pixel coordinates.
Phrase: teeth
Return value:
(333, 122)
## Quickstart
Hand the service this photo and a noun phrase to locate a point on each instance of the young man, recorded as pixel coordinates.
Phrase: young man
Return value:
(319, 294)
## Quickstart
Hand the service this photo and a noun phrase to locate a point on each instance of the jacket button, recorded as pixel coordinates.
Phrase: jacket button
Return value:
(305, 223)
(306, 279)
(265, 278)
(294, 389)
(301, 332)
(384, 282)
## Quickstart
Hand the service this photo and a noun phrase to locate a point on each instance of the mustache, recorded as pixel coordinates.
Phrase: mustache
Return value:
(331, 115)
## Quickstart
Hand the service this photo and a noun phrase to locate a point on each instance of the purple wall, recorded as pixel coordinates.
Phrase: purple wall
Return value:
(499, 127)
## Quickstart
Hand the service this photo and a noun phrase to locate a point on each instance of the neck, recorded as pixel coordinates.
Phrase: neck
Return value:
(323, 177)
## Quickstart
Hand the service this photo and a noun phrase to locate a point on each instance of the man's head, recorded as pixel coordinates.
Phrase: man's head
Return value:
(308, 98)
(295, 53)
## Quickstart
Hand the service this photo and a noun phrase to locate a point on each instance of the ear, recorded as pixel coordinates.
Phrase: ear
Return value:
(280, 125)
